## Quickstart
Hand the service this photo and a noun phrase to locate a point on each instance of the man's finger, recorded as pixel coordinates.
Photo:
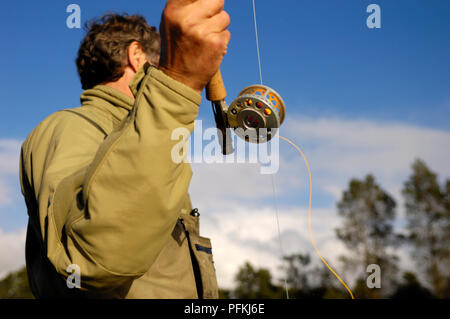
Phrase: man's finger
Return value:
(207, 8)
(206, 4)
(180, 2)
(217, 23)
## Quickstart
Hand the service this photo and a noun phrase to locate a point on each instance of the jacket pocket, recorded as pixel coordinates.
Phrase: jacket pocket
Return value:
(202, 250)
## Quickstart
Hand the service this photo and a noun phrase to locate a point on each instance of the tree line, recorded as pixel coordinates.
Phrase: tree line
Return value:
(368, 230)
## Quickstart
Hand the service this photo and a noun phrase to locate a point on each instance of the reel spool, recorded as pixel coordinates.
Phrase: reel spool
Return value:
(256, 114)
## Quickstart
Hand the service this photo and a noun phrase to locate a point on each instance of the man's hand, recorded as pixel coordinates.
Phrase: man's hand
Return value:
(194, 40)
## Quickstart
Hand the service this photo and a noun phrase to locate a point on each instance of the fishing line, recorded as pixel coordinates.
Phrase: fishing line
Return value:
(310, 181)
(257, 43)
(272, 175)
(309, 218)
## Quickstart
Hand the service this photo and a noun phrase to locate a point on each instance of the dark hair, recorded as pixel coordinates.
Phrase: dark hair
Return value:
(103, 52)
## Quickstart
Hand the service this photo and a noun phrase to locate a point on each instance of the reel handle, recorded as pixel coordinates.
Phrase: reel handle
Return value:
(215, 90)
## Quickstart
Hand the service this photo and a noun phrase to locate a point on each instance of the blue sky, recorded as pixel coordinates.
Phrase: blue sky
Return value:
(318, 54)
(346, 87)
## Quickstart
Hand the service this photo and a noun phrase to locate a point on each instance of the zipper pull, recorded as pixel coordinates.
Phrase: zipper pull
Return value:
(195, 212)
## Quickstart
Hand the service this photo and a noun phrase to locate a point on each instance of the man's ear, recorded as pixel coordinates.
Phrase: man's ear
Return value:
(136, 56)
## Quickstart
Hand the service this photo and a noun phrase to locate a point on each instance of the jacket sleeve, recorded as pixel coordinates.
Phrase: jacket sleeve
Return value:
(113, 214)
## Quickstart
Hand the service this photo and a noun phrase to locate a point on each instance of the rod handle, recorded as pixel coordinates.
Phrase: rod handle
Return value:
(215, 90)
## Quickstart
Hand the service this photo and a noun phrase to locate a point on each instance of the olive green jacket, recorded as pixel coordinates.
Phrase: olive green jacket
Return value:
(103, 194)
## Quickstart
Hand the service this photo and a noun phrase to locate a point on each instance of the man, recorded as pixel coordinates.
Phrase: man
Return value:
(102, 191)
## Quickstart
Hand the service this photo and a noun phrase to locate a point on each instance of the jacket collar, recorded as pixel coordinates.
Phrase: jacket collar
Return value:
(112, 100)
(106, 96)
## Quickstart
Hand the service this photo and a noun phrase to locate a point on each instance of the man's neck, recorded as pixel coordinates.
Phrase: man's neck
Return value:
(122, 84)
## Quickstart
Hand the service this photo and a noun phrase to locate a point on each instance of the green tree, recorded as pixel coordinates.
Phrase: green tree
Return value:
(255, 284)
(367, 230)
(224, 293)
(15, 286)
(428, 225)
(305, 280)
(297, 275)
(411, 288)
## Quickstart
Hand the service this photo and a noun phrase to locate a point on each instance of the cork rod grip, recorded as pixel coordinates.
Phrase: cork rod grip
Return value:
(215, 90)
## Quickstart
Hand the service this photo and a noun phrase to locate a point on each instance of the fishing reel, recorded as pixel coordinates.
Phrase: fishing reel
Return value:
(255, 115)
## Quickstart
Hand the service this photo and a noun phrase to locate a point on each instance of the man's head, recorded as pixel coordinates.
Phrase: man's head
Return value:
(115, 47)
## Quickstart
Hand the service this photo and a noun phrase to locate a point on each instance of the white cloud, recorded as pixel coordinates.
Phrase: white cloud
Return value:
(352, 148)
(230, 197)
(9, 155)
(337, 150)
(241, 234)
(4, 191)
(247, 234)
(9, 169)
(12, 251)
(12, 244)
